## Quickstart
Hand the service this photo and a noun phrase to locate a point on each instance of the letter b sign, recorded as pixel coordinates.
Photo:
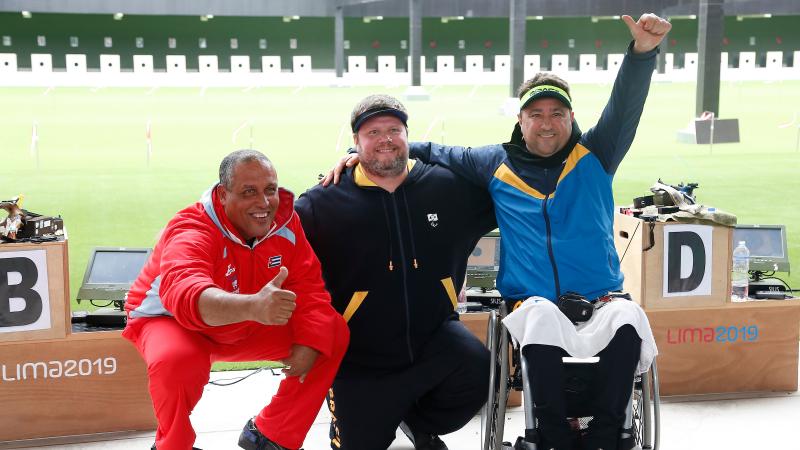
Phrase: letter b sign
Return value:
(21, 303)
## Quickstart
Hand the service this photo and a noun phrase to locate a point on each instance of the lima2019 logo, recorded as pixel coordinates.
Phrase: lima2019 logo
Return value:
(708, 335)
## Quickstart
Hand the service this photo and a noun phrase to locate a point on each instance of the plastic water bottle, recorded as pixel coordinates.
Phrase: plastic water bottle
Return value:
(739, 276)
(462, 302)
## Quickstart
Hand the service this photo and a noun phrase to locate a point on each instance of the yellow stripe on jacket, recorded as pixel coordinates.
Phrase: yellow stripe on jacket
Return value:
(355, 302)
(507, 176)
(451, 291)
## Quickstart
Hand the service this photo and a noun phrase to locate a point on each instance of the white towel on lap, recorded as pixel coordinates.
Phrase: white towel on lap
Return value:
(539, 321)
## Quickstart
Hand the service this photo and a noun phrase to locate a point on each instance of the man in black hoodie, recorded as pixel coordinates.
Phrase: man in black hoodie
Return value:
(393, 239)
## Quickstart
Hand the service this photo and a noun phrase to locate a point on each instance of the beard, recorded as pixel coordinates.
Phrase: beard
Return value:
(385, 168)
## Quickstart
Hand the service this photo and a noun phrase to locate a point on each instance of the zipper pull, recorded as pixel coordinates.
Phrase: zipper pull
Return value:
(391, 266)
(416, 266)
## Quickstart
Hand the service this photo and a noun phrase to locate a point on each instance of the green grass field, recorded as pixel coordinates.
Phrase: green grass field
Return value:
(92, 167)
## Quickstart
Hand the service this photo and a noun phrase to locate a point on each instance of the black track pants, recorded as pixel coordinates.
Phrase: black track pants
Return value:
(611, 385)
(439, 393)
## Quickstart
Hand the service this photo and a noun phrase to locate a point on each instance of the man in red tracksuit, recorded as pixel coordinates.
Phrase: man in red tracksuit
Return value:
(233, 278)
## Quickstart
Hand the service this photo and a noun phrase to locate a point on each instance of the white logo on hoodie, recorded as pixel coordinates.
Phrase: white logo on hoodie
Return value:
(433, 219)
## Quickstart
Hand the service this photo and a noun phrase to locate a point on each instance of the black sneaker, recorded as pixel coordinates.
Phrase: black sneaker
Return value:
(627, 441)
(252, 439)
(601, 438)
(422, 440)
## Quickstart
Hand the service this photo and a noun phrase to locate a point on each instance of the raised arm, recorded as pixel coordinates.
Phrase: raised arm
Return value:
(613, 135)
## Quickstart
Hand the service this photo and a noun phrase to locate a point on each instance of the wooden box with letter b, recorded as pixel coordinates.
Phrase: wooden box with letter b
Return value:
(90, 382)
(674, 265)
(54, 382)
(33, 287)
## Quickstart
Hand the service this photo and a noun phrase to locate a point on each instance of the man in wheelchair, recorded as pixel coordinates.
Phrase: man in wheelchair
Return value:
(552, 189)
(571, 263)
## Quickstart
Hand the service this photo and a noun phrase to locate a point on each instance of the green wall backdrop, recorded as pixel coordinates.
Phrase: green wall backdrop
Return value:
(314, 36)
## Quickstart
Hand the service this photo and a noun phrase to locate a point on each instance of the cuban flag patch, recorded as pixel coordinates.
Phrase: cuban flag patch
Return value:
(274, 261)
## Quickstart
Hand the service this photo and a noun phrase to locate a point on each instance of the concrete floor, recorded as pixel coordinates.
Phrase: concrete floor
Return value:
(761, 423)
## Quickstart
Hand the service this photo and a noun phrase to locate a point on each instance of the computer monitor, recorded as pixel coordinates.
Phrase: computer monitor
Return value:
(767, 245)
(111, 272)
(484, 262)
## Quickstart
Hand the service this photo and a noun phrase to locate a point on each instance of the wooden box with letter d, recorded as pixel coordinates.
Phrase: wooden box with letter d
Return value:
(674, 265)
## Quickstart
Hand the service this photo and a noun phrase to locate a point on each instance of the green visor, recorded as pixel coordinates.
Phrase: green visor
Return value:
(542, 91)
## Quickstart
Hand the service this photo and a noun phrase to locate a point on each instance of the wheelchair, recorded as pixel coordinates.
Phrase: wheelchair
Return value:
(640, 430)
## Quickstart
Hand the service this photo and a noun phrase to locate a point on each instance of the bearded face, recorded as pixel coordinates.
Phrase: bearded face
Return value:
(382, 144)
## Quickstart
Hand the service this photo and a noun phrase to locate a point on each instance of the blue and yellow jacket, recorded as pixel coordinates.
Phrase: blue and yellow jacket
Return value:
(556, 214)
(394, 262)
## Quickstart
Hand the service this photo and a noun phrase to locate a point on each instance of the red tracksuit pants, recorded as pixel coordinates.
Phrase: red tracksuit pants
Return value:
(179, 362)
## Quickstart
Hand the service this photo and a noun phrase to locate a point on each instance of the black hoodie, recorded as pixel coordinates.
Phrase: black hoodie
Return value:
(394, 262)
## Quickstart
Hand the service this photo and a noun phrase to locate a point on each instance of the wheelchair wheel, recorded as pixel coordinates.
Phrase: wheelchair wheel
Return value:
(493, 413)
(639, 407)
(645, 411)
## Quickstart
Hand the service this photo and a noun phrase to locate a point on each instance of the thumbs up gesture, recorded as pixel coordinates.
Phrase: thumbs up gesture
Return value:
(647, 32)
(275, 304)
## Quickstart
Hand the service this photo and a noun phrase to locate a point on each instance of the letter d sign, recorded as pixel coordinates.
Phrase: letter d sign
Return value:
(687, 260)
(24, 300)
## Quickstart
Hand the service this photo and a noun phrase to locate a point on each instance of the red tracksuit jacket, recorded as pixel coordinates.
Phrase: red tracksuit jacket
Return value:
(200, 249)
